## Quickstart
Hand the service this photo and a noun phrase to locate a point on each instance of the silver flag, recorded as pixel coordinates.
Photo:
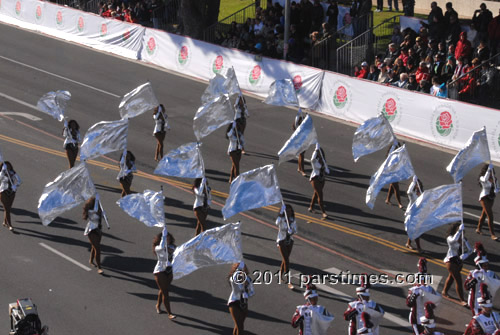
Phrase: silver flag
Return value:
(434, 208)
(282, 93)
(253, 189)
(220, 85)
(221, 245)
(68, 190)
(138, 101)
(373, 135)
(104, 137)
(146, 207)
(185, 161)
(54, 104)
(475, 152)
(493, 285)
(302, 138)
(1, 157)
(213, 115)
(396, 167)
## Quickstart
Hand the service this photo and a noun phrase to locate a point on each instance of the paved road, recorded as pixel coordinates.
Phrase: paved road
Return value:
(73, 299)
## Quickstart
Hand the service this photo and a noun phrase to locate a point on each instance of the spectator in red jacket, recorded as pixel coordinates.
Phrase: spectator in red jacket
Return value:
(494, 34)
(422, 71)
(106, 12)
(464, 47)
(363, 73)
(469, 86)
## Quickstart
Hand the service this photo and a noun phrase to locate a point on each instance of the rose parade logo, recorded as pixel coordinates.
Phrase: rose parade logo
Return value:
(297, 83)
(340, 98)
(81, 24)
(218, 64)
(444, 123)
(59, 18)
(390, 109)
(38, 12)
(183, 56)
(126, 35)
(104, 29)
(18, 7)
(255, 75)
(151, 46)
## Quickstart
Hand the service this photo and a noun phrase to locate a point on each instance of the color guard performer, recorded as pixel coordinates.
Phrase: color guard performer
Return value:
(236, 144)
(366, 324)
(71, 133)
(317, 179)
(203, 198)
(241, 116)
(163, 248)
(415, 189)
(127, 168)
(415, 299)
(161, 125)
(298, 120)
(9, 183)
(242, 289)
(311, 318)
(486, 322)
(287, 227)
(476, 277)
(488, 182)
(92, 211)
(362, 304)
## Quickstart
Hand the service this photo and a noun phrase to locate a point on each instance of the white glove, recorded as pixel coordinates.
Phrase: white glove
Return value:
(476, 274)
(327, 170)
(417, 291)
(204, 181)
(415, 179)
(490, 166)
(461, 228)
(65, 123)
(463, 257)
(290, 231)
(283, 208)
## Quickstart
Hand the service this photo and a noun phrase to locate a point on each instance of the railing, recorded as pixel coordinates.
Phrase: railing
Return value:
(212, 33)
(324, 53)
(365, 46)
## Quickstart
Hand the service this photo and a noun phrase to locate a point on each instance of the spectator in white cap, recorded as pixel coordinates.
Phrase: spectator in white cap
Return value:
(311, 318)
(486, 322)
(363, 72)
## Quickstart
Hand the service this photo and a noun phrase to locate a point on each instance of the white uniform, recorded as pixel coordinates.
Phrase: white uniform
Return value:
(416, 303)
(9, 180)
(360, 307)
(199, 193)
(412, 193)
(453, 246)
(239, 112)
(316, 319)
(486, 184)
(488, 324)
(160, 124)
(94, 220)
(474, 292)
(69, 139)
(240, 291)
(236, 140)
(283, 228)
(164, 257)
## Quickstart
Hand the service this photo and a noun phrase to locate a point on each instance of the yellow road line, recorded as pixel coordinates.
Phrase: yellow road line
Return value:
(181, 184)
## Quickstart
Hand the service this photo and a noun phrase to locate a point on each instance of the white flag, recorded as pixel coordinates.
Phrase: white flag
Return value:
(434, 208)
(68, 190)
(475, 152)
(104, 137)
(253, 189)
(138, 101)
(220, 85)
(54, 104)
(396, 167)
(146, 207)
(1, 157)
(185, 161)
(282, 93)
(373, 135)
(213, 115)
(221, 245)
(302, 138)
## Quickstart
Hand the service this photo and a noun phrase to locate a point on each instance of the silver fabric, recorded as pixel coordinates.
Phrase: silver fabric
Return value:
(221, 245)
(302, 138)
(68, 190)
(220, 85)
(146, 207)
(429, 296)
(493, 285)
(54, 104)
(1, 157)
(213, 115)
(434, 208)
(138, 101)
(104, 137)
(185, 161)
(253, 189)
(373, 135)
(396, 167)
(475, 152)
(282, 93)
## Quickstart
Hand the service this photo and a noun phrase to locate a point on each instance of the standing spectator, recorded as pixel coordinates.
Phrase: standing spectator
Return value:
(326, 29)
(318, 16)
(363, 73)
(482, 52)
(380, 6)
(396, 5)
(494, 34)
(486, 83)
(473, 36)
(333, 12)
(435, 21)
(481, 19)
(468, 91)
(449, 13)
(409, 7)
(437, 68)
(294, 13)
(448, 69)
(453, 31)
(460, 68)
(306, 13)
(397, 37)
(155, 9)
(464, 48)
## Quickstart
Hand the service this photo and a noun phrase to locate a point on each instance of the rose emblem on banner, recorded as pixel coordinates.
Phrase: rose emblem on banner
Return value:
(38, 12)
(218, 64)
(297, 83)
(59, 17)
(18, 7)
(126, 35)
(340, 97)
(151, 46)
(255, 75)
(183, 55)
(104, 29)
(390, 109)
(444, 123)
(81, 24)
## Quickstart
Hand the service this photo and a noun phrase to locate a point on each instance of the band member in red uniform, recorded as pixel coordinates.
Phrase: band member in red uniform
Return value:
(415, 299)
(427, 321)
(311, 318)
(355, 308)
(477, 276)
(486, 322)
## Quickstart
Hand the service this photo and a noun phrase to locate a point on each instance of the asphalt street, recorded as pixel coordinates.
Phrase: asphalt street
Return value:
(50, 264)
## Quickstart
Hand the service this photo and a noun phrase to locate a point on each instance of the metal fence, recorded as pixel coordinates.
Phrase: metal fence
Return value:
(324, 53)
(364, 47)
(211, 33)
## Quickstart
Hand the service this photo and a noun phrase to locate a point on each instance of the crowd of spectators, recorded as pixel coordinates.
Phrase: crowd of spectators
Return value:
(440, 55)
(144, 12)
